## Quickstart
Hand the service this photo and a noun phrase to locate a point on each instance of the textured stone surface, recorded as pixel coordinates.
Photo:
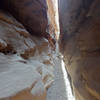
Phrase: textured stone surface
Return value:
(80, 45)
(51, 16)
(53, 19)
(26, 64)
(31, 13)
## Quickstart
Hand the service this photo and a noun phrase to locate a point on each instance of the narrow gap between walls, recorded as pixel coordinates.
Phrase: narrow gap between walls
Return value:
(67, 82)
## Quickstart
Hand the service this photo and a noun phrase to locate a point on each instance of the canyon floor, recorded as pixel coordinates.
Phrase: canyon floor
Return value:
(58, 89)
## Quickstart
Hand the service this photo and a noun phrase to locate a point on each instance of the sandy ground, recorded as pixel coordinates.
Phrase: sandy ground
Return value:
(58, 89)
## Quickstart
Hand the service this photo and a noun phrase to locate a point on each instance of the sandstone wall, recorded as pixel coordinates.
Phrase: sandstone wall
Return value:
(31, 13)
(52, 10)
(80, 45)
(26, 62)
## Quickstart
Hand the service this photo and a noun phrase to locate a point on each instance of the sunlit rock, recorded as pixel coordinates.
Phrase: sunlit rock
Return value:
(80, 45)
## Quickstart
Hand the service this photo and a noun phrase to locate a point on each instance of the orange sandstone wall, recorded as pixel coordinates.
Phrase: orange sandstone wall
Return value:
(51, 16)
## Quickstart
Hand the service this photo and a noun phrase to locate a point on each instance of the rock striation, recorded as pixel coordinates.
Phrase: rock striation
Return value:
(26, 62)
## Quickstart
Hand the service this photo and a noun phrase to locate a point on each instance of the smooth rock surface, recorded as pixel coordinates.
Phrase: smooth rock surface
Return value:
(31, 13)
(80, 45)
(51, 16)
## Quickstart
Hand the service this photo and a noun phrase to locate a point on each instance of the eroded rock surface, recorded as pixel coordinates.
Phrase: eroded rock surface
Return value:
(31, 13)
(51, 17)
(26, 64)
(80, 45)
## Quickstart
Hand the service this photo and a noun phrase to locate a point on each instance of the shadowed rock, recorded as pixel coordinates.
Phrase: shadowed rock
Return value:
(31, 13)
(80, 45)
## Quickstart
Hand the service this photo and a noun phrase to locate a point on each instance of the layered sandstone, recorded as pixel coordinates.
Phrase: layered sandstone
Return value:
(52, 17)
(26, 62)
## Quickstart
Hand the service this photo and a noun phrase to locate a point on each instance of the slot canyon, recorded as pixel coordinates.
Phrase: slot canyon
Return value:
(49, 49)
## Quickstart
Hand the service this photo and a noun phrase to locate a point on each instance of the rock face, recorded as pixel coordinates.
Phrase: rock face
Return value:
(31, 13)
(26, 63)
(80, 45)
(51, 17)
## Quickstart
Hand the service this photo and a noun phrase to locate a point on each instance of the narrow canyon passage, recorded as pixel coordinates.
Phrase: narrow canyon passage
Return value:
(49, 48)
(60, 89)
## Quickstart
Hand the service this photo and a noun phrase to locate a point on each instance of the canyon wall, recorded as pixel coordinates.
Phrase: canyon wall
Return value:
(80, 45)
(31, 13)
(26, 62)
(52, 17)
(26, 48)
